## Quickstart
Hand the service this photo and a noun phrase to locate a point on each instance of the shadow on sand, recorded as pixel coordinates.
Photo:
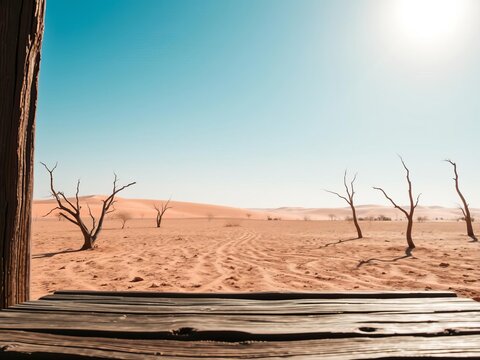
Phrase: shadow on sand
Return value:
(48, 255)
(408, 254)
(340, 242)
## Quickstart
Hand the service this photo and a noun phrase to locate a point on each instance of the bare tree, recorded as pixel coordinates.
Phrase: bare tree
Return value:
(123, 216)
(161, 209)
(71, 210)
(413, 206)
(350, 190)
(465, 209)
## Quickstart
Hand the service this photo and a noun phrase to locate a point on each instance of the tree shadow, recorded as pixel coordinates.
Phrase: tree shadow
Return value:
(408, 254)
(339, 242)
(50, 254)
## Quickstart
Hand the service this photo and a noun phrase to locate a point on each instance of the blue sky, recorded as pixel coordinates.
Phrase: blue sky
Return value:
(258, 103)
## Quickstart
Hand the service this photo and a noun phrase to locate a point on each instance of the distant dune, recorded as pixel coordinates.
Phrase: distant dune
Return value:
(143, 208)
(431, 212)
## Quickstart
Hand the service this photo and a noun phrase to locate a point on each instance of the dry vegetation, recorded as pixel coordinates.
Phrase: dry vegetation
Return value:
(71, 209)
(218, 253)
(202, 255)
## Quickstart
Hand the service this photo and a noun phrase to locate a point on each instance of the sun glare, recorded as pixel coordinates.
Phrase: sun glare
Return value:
(430, 22)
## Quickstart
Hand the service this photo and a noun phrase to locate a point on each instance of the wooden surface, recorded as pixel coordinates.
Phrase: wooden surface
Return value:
(148, 325)
(21, 31)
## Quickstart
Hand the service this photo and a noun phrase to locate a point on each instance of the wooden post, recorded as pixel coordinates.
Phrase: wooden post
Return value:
(21, 32)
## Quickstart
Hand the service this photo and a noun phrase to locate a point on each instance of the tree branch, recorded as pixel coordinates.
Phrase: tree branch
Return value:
(418, 199)
(350, 191)
(52, 210)
(340, 196)
(166, 207)
(69, 219)
(352, 187)
(109, 202)
(391, 200)
(76, 194)
(93, 219)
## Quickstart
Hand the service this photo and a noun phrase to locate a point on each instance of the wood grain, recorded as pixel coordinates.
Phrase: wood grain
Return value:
(72, 325)
(48, 346)
(21, 31)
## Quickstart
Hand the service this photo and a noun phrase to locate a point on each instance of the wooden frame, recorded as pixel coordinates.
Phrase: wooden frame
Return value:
(21, 33)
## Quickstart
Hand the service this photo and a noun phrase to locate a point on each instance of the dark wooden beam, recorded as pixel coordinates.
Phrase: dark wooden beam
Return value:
(267, 295)
(21, 32)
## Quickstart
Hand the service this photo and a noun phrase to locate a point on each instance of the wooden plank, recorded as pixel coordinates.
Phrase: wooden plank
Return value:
(241, 328)
(324, 319)
(143, 326)
(239, 306)
(98, 298)
(268, 295)
(48, 346)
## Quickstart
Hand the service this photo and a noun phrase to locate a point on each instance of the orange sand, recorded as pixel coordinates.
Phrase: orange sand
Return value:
(233, 253)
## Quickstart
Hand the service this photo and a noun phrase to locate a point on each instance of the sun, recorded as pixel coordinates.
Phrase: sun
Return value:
(430, 23)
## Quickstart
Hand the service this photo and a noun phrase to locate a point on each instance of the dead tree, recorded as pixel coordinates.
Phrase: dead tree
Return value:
(350, 190)
(465, 208)
(21, 33)
(413, 206)
(124, 216)
(161, 210)
(71, 210)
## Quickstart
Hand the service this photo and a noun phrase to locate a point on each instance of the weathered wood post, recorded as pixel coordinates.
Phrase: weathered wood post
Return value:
(21, 32)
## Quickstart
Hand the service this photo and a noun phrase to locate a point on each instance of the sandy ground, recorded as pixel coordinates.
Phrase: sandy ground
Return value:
(254, 255)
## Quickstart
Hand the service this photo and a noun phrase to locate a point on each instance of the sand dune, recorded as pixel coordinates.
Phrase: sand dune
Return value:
(143, 208)
(431, 212)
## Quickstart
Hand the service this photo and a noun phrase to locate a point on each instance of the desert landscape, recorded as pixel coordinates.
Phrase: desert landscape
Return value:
(239, 179)
(208, 248)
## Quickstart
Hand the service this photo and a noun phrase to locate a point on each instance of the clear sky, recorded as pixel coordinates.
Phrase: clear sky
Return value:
(260, 103)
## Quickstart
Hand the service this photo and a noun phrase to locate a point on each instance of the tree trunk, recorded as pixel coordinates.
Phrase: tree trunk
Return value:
(468, 221)
(410, 243)
(88, 242)
(465, 209)
(355, 221)
(470, 232)
(21, 31)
